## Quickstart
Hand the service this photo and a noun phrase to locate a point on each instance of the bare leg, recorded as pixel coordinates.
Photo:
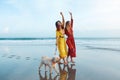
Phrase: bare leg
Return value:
(56, 70)
(67, 58)
(65, 62)
(60, 61)
(72, 60)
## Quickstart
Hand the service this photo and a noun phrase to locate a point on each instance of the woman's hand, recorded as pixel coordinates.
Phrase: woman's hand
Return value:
(63, 21)
(61, 13)
(70, 13)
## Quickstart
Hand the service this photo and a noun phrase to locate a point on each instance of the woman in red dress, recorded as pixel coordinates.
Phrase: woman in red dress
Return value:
(70, 39)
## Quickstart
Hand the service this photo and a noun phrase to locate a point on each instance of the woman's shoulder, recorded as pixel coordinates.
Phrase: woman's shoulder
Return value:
(57, 31)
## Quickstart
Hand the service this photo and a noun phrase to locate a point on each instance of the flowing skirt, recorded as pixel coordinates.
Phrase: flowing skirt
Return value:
(62, 48)
(71, 47)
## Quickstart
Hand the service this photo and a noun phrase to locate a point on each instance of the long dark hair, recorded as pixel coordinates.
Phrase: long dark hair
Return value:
(57, 26)
(66, 24)
(56, 23)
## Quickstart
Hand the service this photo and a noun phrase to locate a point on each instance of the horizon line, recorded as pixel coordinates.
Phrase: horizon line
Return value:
(36, 38)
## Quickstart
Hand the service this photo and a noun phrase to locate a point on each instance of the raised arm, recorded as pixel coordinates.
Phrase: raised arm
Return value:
(71, 19)
(63, 20)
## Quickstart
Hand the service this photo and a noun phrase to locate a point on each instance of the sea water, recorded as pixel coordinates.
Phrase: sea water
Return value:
(97, 58)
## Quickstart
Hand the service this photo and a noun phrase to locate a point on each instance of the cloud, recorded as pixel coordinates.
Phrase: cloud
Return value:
(103, 14)
(5, 30)
(40, 15)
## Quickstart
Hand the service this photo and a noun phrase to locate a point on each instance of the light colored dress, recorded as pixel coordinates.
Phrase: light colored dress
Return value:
(62, 48)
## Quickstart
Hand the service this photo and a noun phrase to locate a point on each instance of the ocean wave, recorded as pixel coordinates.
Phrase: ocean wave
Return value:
(103, 48)
(26, 42)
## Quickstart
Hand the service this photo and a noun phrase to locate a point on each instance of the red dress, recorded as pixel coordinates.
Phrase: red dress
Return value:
(70, 41)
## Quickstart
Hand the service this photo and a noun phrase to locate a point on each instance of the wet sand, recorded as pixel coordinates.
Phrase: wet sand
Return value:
(22, 62)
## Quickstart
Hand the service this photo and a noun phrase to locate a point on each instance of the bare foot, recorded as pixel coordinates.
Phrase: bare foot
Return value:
(72, 61)
(65, 63)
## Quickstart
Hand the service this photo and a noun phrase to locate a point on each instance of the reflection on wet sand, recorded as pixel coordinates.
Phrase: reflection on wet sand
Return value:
(67, 72)
(46, 77)
(71, 72)
(63, 72)
(43, 77)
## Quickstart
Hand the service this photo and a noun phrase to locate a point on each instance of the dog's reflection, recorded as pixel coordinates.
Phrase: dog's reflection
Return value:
(43, 77)
(46, 77)
(67, 72)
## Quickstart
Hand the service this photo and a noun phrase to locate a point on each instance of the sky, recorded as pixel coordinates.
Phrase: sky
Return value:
(36, 18)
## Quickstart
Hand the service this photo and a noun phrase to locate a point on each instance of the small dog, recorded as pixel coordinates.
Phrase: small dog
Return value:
(50, 62)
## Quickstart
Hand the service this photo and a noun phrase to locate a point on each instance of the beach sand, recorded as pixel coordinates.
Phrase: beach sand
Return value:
(19, 60)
